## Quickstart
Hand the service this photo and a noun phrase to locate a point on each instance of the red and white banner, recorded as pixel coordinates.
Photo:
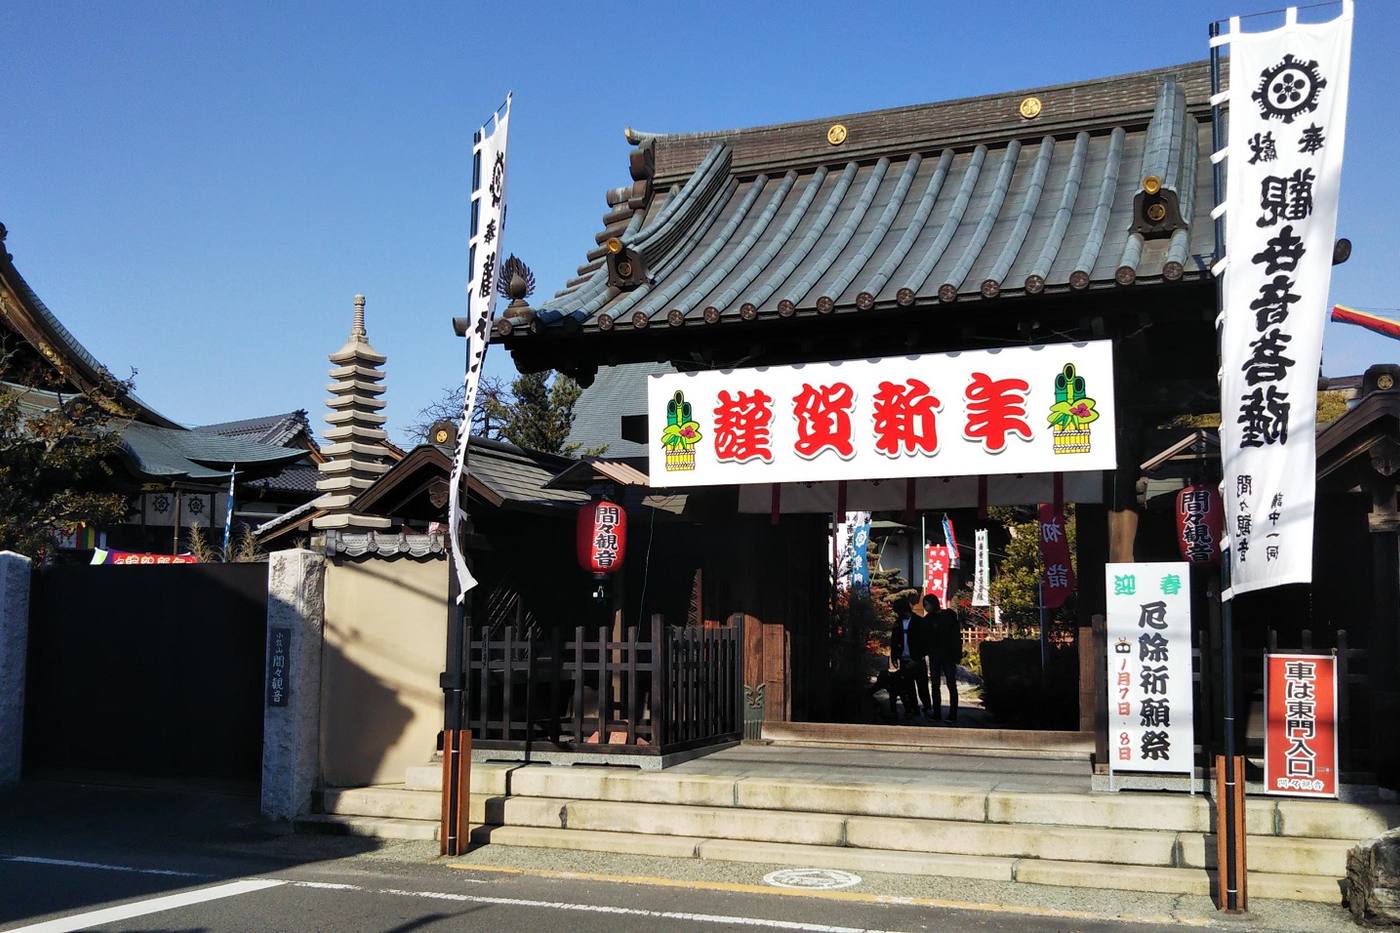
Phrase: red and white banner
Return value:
(1288, 109)
(1045, 409)
(1300, 738)
(1057, 583)
(936, 576)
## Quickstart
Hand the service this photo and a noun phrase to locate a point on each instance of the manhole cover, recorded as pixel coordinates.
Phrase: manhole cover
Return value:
(811, 879)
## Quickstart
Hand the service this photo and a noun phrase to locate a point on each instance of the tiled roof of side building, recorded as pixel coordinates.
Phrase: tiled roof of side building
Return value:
(618, 391)
(922, 205)
(269, 429)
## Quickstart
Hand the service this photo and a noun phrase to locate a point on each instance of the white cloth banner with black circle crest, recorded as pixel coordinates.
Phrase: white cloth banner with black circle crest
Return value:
(1287, 121)
(488, 218)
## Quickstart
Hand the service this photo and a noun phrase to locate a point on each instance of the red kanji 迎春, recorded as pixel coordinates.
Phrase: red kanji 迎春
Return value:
(742, 423)
(996, 408)
(905, 418)
(823, 416)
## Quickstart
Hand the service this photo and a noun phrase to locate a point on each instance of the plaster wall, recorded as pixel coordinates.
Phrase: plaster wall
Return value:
(381, 706)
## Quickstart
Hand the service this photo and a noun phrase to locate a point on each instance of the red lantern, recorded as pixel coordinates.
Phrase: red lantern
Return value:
(602, 537)
(1200, 518)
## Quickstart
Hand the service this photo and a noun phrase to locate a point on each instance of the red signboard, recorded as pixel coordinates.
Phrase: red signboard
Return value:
(101, 556)
(1058, 580)
(936, 572)
(601, 537)
(1200, 517)
(1300, 740)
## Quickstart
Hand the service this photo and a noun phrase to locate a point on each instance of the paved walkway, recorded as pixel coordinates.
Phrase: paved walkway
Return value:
(860, 766)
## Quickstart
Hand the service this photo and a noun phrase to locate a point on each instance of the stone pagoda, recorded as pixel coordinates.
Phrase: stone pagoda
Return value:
(355, 454)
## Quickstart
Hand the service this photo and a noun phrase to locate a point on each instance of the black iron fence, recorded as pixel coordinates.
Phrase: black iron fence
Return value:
(663, 690)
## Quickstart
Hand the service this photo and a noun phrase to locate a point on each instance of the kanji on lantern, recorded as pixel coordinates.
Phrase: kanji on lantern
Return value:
(996, 408)
(823, 416)
(905, 418)
(742, 426)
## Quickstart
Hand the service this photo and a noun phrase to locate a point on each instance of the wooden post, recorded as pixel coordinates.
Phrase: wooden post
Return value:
(456, 794)
(1225, 833)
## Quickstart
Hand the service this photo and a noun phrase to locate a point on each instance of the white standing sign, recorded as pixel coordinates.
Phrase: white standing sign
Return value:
(1043, 409)
(1287, 103)
(1150, 725)
(488, 219)
(981, 571)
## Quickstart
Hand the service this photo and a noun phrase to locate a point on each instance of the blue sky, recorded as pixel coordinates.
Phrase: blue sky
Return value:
(199, 189)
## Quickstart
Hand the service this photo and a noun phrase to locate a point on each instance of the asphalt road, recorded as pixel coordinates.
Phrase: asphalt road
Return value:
(54, 896)
(78, 857)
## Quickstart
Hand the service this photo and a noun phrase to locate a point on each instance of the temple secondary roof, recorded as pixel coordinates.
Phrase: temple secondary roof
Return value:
(278, 430)
(1096, 184)
(158, 454)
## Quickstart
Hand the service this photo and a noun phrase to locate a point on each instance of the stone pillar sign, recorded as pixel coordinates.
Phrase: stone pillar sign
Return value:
(296, 615)
(14, 646)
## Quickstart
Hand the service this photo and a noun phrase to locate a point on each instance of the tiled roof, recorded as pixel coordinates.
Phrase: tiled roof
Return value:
(920, 206)
(299, 478)
(69, 351)
(157, 453)
(269, 429)
(516, 475)
(618, 391)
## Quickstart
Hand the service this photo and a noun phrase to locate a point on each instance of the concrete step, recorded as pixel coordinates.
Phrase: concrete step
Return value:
(1125, 810)
(993, 868)
(336, 824)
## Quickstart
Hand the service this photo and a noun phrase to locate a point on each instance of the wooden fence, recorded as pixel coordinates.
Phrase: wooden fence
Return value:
(583, 690)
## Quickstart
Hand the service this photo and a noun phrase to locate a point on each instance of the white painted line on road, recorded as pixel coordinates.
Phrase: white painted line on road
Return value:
(92, 918)
(70, 863)
(637, 912)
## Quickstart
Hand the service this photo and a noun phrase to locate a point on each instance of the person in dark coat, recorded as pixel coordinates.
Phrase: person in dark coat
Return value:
(908, 646)
(945, 653)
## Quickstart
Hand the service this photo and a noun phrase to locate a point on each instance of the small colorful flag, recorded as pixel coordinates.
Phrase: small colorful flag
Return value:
(1381, 325)
(950, 540)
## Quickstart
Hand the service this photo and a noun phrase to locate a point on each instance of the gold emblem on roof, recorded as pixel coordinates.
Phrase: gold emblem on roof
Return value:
(1030, 108)
(836, 134)
(1385, 382)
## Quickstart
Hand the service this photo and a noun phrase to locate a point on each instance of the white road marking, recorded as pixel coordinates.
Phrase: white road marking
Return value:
(636, 912)
(69, 863)
(92, 918)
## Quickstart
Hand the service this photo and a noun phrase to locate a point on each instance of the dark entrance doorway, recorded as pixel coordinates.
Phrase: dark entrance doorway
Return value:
(154, 672)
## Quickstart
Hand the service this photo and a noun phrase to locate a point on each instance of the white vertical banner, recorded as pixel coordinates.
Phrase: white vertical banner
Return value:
(981, 572)
(1150, 715)
(488, 218)
(1287, 123)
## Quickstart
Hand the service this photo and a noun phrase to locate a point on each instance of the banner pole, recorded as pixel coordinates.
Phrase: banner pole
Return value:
(1226, 807)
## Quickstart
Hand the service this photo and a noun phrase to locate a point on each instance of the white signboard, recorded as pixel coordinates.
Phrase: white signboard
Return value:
(981, 571)
(1150, 724)
(1287, 99)
(1041, 409)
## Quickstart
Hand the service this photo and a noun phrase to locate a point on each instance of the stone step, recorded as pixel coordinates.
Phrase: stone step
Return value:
(1308, 819)
(743, 826)
(993, 868)
(374, 827)
(1020, 743)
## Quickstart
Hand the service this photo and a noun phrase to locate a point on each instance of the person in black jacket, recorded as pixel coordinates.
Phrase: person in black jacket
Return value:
(908, 645)
(945, 653)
